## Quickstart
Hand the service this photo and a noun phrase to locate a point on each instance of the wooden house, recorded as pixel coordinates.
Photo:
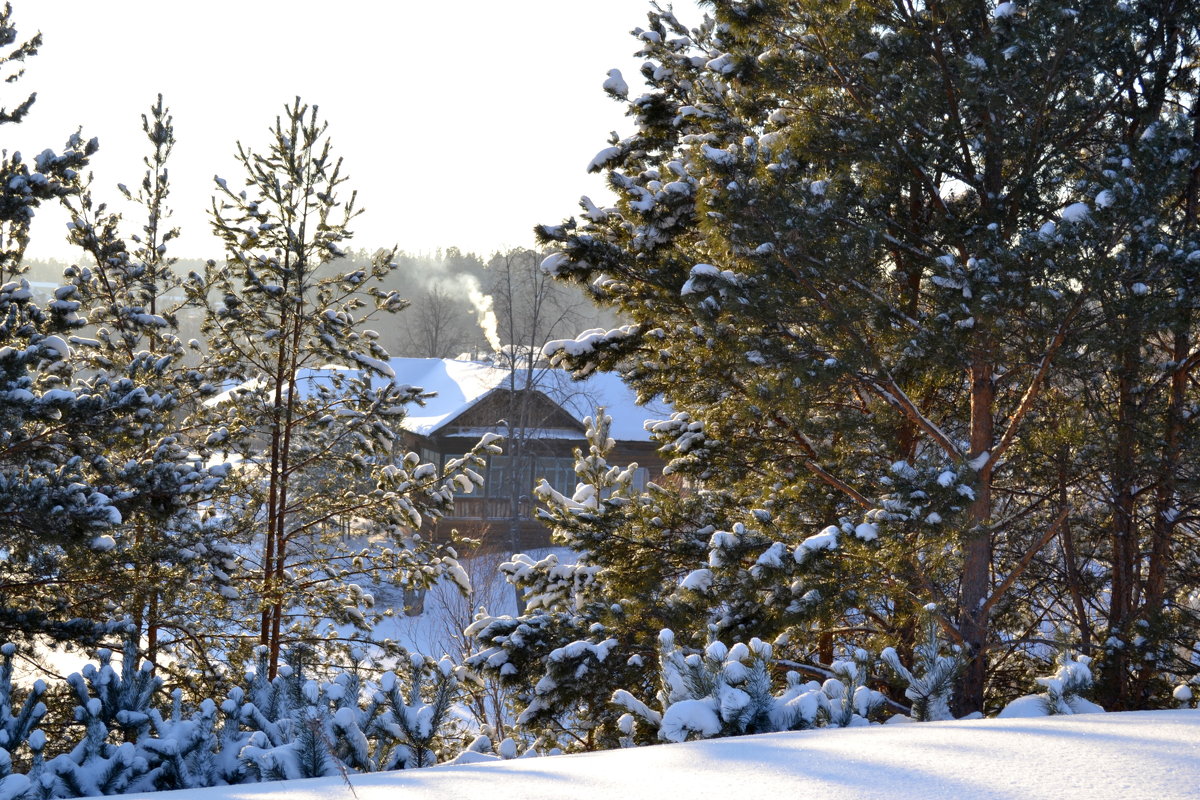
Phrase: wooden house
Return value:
(540, 413)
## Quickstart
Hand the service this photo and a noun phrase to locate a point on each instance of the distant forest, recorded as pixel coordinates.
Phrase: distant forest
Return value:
(457, 301)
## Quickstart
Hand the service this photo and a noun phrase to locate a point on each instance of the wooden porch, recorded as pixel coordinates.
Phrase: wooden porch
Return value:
(488, 521)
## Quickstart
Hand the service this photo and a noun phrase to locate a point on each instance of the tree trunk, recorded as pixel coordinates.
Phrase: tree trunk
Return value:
(1166, 512)
(269, 544)
(1114, 683)
(977, 544)
(1071, 563)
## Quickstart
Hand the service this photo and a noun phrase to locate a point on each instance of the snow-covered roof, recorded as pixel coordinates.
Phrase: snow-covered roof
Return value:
(459, 385)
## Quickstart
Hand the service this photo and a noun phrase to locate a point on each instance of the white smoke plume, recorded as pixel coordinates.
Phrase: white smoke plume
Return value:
(484, 313)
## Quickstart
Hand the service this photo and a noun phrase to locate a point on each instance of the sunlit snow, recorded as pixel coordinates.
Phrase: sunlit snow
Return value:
(1005, 10)
(1076, 212)
(1147, 754)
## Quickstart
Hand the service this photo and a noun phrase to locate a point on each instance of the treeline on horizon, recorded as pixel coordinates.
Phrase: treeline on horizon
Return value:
(441, 321)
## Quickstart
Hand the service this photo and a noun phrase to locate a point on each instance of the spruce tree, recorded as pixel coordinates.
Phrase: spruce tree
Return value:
(57, 500)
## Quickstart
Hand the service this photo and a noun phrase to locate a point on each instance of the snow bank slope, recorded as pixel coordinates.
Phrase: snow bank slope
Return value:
(1131, 756)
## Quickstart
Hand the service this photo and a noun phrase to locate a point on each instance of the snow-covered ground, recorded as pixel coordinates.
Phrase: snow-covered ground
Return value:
(438, 629)
(1148, 755)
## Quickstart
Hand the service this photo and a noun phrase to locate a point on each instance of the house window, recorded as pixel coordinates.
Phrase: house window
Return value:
(497, 476)
(559, 472)
(429, 456)
(641, 476)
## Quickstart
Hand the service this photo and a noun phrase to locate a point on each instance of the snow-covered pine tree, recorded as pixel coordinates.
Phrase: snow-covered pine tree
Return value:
(308, 754)
(586, 625)
(17, 725)
(97, 766)
(728, 691)
(300, 727)
(113, 708)
(270, 701)
(1138, 371)
(287, 718)
(294, 725)
(127, 745)
(639, 558)
(852, 702)
(125, 696)
(1066, 691)
(52, 177)
(414, 722)
(307, 728)
(231, 738)
(836, 238)
(311, 410)
(172, 565)
(351, 715)
(186, 751)
(713, 693)
(929, 685)
(13, 785)
(53, 474)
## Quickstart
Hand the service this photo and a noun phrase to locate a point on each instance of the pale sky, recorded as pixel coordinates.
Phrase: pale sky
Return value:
(461, 123)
